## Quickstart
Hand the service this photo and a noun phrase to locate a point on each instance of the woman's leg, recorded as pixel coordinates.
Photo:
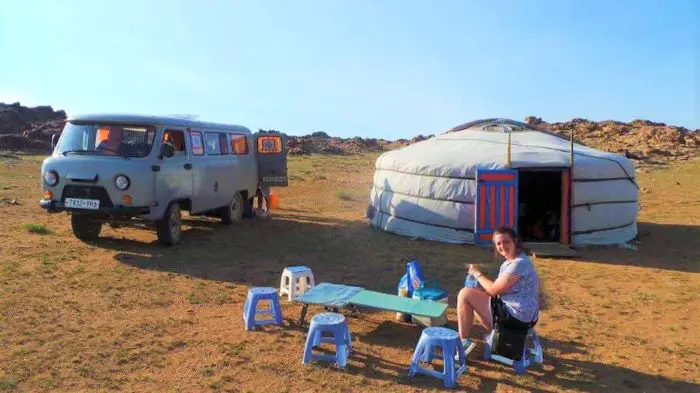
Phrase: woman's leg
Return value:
(259, 195)
(469, 301)
(266, 193)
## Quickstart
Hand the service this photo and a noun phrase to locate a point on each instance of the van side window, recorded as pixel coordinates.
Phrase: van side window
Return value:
(177, 139)
(239, 144)
(223, 142)
(269, 144)
(197, 146)
(212, 146)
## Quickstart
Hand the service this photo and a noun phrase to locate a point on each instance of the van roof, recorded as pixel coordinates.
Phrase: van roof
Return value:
(148, 119)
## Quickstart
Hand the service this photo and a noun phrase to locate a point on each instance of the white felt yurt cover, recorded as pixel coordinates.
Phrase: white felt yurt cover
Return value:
(427, 189)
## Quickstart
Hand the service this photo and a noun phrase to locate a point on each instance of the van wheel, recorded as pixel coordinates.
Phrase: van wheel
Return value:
(84, 227)
(234, 211)
(169, 228)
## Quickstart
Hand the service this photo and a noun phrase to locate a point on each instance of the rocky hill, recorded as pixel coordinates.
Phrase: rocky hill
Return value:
(641, 140)
(320, 143)
(23, 128)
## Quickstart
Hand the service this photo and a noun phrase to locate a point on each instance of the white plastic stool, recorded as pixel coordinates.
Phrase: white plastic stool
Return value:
(296, 280)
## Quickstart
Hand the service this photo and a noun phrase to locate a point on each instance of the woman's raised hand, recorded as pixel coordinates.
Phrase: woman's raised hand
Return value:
(473, 270)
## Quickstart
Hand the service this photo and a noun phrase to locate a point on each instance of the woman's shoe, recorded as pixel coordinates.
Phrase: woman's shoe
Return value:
(468, 345)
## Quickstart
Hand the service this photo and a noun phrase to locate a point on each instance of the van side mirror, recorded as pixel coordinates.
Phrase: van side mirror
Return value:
(53, 141)
(167, 150)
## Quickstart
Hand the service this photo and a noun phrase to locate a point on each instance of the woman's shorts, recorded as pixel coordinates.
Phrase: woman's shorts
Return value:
(510, 333)
(500, 315)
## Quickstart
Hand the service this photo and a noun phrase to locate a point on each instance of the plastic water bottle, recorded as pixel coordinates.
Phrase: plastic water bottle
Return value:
(470, 281)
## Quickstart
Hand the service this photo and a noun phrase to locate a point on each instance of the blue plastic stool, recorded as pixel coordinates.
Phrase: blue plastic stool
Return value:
(532, 352)
(449, 341)
(250, 311)
(328, 322)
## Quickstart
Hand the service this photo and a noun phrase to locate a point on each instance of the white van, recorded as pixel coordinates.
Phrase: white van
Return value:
(131, 170)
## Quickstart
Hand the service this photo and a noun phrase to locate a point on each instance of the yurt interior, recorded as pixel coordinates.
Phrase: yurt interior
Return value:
(543, 204)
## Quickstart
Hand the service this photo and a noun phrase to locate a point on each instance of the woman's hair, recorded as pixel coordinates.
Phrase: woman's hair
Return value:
(514, 236)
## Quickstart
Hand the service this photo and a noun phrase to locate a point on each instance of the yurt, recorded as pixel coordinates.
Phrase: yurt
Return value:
(458, 187)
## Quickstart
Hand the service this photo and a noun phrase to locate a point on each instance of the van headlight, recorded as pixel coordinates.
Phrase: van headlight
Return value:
(122, 182)
(51, 178)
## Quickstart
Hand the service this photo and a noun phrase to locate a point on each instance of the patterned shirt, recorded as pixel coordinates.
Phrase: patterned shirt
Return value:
(522, 299)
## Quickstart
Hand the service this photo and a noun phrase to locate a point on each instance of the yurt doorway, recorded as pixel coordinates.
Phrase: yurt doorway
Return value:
(541, 193)
(534, 201)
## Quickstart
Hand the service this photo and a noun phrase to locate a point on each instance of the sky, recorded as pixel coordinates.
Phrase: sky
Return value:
(371, 68)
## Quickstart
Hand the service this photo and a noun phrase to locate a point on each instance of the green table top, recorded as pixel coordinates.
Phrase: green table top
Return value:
(406, 305)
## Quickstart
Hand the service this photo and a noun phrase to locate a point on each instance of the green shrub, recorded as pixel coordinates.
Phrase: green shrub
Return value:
(343, 196)
(36, 228)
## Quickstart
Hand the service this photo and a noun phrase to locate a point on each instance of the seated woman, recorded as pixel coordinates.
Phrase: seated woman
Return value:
(512, 298)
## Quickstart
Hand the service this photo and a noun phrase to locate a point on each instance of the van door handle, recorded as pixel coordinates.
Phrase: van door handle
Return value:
(188, 166)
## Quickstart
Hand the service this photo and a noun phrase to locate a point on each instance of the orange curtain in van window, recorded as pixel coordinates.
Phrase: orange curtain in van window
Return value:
(269, 144)
(239, 144)
(102, 135)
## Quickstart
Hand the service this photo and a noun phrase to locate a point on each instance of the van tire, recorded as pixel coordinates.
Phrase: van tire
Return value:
(169, 228)
(233, 212)
(84, 227)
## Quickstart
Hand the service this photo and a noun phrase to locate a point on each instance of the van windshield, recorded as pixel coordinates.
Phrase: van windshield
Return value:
(106, 139)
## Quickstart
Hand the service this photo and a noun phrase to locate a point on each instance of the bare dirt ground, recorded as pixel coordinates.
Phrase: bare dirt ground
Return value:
(125, 314)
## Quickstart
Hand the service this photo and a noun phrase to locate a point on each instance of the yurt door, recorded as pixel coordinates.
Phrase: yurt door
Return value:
(496, 202)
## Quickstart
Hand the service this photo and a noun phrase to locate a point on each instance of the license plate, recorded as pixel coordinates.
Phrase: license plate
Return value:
(90, 204)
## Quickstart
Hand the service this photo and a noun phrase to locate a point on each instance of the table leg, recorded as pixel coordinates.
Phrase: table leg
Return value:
(303, 314)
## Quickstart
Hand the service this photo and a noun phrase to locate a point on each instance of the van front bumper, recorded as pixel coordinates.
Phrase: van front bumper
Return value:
(57, 207)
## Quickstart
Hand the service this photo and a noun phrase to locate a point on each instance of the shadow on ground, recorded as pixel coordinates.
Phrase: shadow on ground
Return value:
(661, 246)
(254, 252)
(559, 371)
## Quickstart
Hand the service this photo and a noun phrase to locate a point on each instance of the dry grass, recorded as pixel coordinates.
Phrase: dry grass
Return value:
(126, 314)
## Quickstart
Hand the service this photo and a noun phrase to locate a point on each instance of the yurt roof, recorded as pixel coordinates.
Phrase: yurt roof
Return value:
(483, 143)
(495, 125)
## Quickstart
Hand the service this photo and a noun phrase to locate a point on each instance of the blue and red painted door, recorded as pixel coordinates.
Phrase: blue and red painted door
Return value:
(496, 202)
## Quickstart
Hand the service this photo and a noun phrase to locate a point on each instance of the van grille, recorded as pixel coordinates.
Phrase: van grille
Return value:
(87, 192)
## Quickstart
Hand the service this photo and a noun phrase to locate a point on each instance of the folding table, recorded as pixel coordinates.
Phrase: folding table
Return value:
(335, 296)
